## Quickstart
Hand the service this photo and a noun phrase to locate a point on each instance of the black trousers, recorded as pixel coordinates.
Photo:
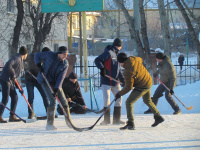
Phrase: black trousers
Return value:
(158, 93)
(73, 107)
(8, 89)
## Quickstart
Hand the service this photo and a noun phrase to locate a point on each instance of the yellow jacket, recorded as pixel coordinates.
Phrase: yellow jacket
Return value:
(135, 75)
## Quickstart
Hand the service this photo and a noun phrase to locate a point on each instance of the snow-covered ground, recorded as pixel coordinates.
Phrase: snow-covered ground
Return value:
(176, 132)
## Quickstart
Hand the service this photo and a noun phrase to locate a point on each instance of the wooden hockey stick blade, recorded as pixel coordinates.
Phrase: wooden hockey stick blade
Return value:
(189, 108)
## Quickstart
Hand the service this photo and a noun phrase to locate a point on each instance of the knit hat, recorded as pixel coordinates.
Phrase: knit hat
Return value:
(45, 49)
(72, 75)
(62, 50)
(23, 50)
(117, 42)
(160, 56)
(121, 57)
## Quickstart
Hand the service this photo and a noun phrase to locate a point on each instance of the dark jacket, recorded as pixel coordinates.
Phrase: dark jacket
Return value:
(12, 68)
(108, 60)
(59, 71)
(181, 59)
(30, 66)
(167, 72)
(72, 90)
(135, 75)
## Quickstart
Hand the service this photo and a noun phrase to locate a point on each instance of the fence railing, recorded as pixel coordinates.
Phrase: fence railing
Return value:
(189, 74)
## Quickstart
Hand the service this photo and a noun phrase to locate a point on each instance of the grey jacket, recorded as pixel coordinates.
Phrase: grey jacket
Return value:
(12, 68)
(167, 72)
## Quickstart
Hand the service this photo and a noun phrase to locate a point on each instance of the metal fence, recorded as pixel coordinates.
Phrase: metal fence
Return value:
(189, 74)
(93, 73)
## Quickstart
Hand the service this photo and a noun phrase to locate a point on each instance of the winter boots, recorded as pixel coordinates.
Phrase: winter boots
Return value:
(129, 126)
(106, 117)
(69, 117)
(2, 120)
(30, 116)
(158, 120)
(177, 112)
(117, 116)
(50, 118)
(12, 118)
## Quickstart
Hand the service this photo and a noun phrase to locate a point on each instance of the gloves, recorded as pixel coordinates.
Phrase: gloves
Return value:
(123, 83)
(171, 92)
(55, 92)
(117, 96)
(103, 72)
(155, 75)
(21, 91)
(40, 67)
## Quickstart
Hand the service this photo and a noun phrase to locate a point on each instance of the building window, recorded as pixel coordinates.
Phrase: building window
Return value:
(10, 6)
(89, 23)
(55, 47)
(100, 22)
(113, 23)
(75, 22)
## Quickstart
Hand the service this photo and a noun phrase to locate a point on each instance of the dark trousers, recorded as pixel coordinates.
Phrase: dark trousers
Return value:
(158, 93)
(8, 89)
(73, 107)
(76, 108)
(136, 93)
(52, 99)
(30, 90)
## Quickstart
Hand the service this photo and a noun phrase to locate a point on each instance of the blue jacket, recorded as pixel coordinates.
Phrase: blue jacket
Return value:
(108, 60)
(47, 59)
(12, 68)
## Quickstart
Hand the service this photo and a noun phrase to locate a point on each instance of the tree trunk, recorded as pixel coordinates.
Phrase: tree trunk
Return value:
(165, 27)
(144, 36)
(189, 25)
(17, 28)
(133, 33)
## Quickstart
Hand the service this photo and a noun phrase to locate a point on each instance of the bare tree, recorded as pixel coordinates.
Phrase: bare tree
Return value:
(189, 25)
(42, 23)
(194, 16)
(133, 33)
(18, 27)
(165, 27)
(144, 34)
(143, 51)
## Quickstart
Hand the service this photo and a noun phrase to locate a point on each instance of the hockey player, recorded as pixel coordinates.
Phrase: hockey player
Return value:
(54, 66)
(107, 63)
(72, 92)
(168, 77)
(10, 72)
(31, 82)
(137, 76)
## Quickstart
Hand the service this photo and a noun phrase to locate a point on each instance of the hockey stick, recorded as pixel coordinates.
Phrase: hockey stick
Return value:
(64, 112)
(25, 121)
(25, 98)
(67, 116)
(113, 79)
(93, 75)
(91, 127)
(188, 108)
(96, 112)
(31, 74)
